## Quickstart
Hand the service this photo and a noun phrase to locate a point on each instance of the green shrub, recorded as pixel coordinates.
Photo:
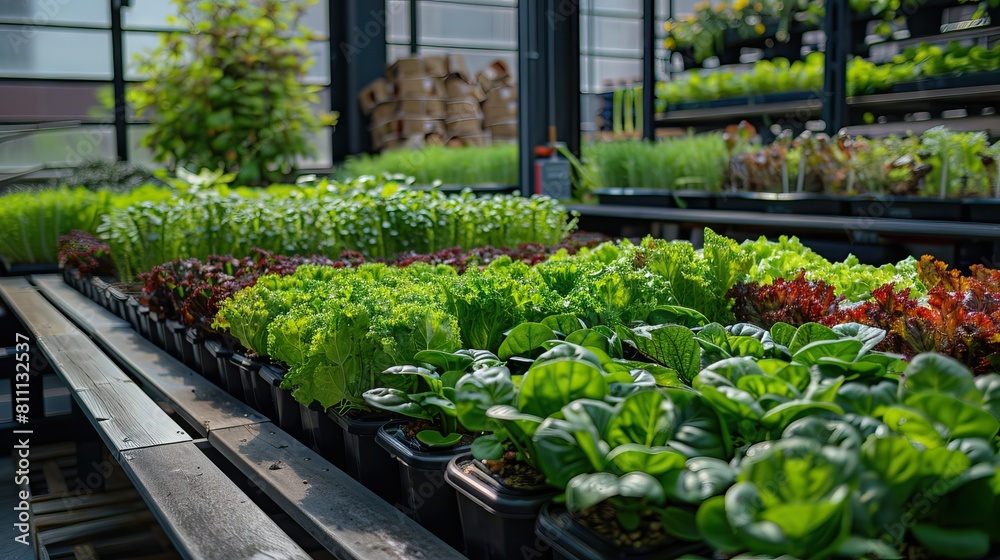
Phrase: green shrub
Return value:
(226, 93)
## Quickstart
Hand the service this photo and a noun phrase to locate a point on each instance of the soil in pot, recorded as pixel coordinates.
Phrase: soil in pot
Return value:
(365, 460)
(594, 534)
(498, 503)
(427, 497)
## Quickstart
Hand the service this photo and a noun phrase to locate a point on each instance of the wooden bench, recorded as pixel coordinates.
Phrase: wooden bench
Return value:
(203, 511)
(346, 518)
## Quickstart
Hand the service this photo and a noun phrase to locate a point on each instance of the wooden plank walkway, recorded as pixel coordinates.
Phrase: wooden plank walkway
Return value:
(346, 518)
(202, 511)
(187, 493)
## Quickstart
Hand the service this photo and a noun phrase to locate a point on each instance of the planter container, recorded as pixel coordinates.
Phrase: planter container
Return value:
(944, 82)
(427, 498)
(660, 198)
(145, 322)
(322, 434)
(364, 459)
(984, 210)
(189, 343)
(286, 408)
(205, 362)
(568, 539)
(174, 334)
(695, 200)
(119, 302)
(157, 331)
(221, 353)
(909, 207)
(246, 370)
(784, 203)
(498, 521)
(132, 312)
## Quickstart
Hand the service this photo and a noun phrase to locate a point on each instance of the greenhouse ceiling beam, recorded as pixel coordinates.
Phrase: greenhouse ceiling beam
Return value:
(548, 77)
(357, 57)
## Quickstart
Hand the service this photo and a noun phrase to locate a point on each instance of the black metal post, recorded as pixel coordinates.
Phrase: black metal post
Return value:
(536, 20)
(565, 76)
(648, 69)
(357, 57)
(118, 67)
(837, 27)
(414, 27)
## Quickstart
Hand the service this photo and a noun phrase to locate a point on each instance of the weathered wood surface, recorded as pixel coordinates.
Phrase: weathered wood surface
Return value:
(71, 303)
(36, 313)
(125, 417)
(204, 513)
(203, 404)
(346, 518)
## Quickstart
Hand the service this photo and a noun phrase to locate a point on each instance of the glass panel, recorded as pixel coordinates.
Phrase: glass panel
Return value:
(53, 101)
(135, 43)
(604, 74)
(27, 51)
(684, 7)
(611, 36)
(148, 14)
(623, 7)
(67, 12)
(137, 153)
(319, 72)
(474, 26)
(398, 21)
(59, 146)
(322, 157)
(317, 18)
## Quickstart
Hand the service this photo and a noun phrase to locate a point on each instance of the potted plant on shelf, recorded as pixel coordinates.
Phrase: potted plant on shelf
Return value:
(460, 387)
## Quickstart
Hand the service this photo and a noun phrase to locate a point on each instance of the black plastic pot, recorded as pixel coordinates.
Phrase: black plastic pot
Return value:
(784, 203)
(985, 210)
(695, 200)
(568, 539)
(246, 370)
(427, 498)
(205, 362)
(189, 341)
(157, 331)
(498, 521)
(174, 336)
(286, 408)
(132, 312)
(119, 302)
(322, 434)
(659, 198)
(908, 207)
(145, 322)
(221, 353)
(365, 460)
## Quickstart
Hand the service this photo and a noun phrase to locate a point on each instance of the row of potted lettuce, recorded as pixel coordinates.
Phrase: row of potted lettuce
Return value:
(682, 430)
(240, 378)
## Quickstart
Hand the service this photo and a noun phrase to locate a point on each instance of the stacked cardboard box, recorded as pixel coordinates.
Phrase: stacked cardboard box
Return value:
(433, 100)
(500, 105)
